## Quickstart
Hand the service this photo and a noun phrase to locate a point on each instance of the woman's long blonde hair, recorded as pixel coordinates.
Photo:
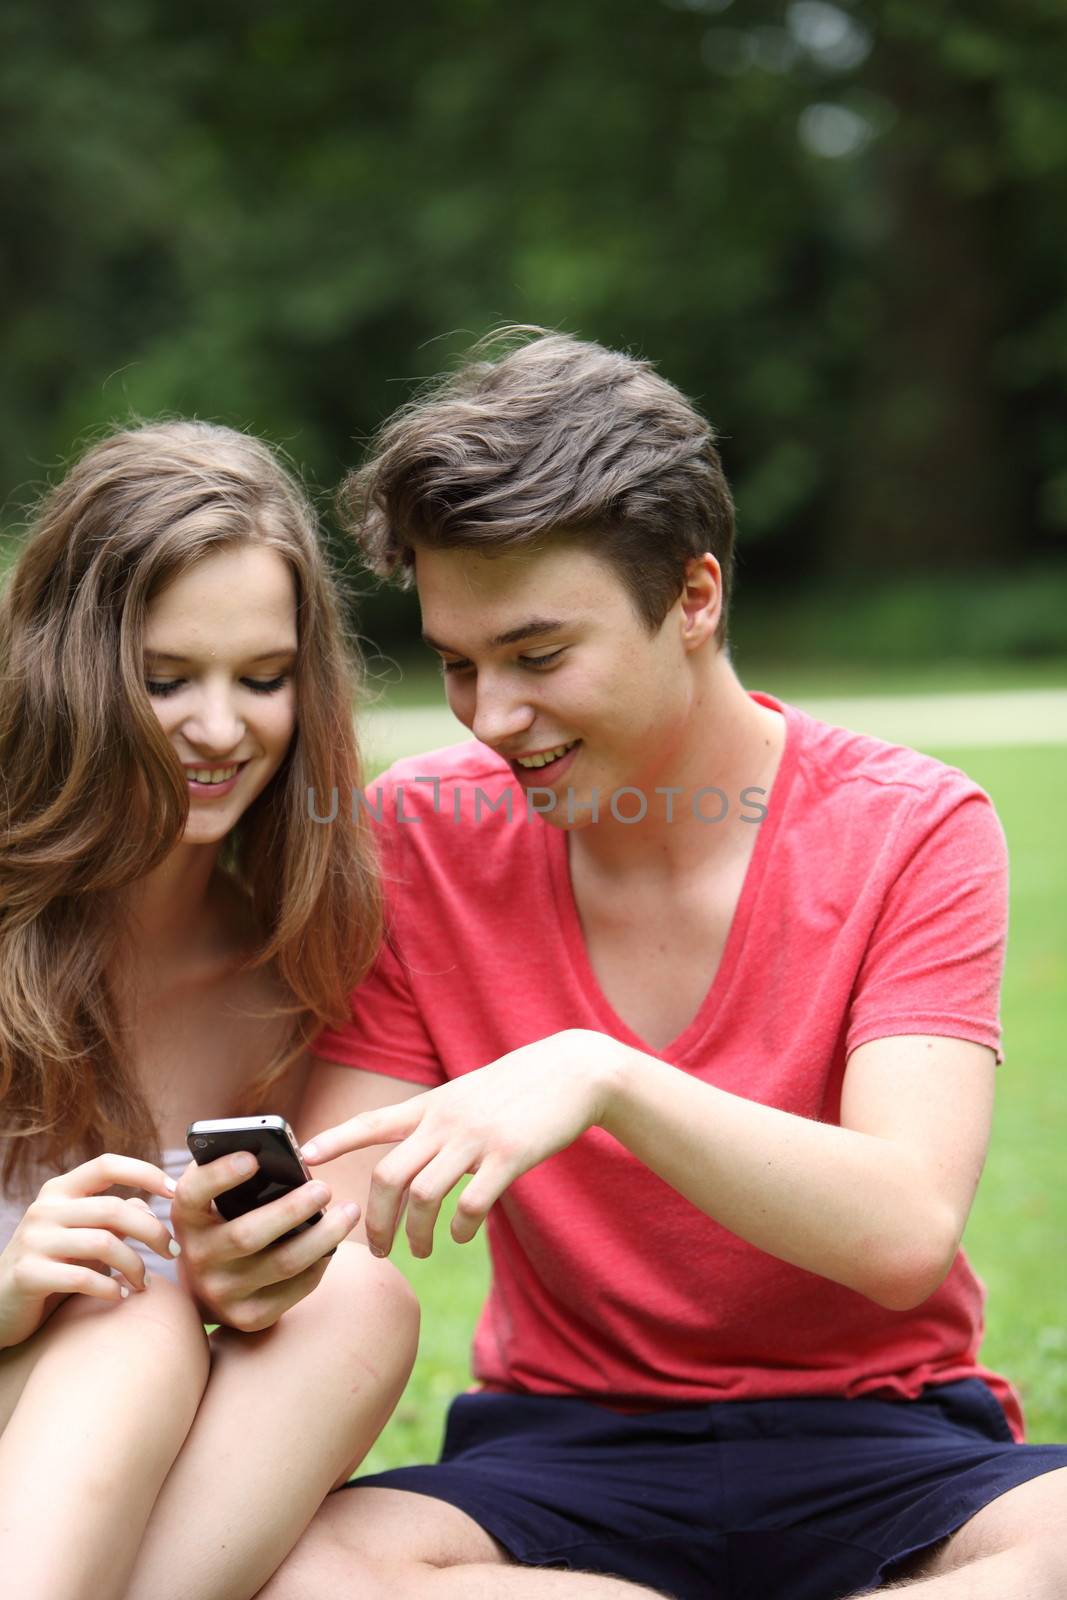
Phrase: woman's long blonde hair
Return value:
(92, 796)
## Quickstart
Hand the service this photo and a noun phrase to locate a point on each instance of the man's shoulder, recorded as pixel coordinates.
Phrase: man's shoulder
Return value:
(856, 800)
(835, 759)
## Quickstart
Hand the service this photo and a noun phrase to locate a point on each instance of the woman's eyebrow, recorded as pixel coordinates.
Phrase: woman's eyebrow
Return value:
(265, 655)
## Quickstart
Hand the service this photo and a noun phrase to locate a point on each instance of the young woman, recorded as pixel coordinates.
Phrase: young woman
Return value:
(173, 930)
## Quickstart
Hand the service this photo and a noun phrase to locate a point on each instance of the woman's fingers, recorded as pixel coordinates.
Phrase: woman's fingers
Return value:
(125, 1218)
(198, 1186)
(243, 1260)
(288, 1261)
(261, 1227)
(262, 1310)
(41, 1276)
(88, 1244)
(103, 1172)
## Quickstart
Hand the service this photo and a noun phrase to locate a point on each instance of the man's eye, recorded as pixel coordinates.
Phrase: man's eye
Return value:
(160, 687)
(541, 661)
(454, 666)
(266, 685)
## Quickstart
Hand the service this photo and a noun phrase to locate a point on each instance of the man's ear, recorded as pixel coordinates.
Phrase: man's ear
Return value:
(700, 600)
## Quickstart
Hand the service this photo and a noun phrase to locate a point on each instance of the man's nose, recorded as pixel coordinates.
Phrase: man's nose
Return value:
(501, 712)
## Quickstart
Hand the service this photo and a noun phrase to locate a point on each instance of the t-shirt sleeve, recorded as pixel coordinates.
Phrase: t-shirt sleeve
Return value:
(386, 1032)
(934, 961)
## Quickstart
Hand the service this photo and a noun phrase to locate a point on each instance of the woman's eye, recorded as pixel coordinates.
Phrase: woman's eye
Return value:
(266, 685)
(159, 688)
(454, 666)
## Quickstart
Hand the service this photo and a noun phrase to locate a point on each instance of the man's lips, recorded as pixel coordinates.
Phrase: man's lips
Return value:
(541, 777)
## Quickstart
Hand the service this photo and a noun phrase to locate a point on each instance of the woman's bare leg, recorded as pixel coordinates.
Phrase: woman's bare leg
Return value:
(94, 1409)
(288, 1414)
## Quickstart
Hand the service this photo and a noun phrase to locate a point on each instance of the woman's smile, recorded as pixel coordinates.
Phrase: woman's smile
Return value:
(210, 782)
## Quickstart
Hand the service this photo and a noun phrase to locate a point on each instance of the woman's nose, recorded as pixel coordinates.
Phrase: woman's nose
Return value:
(215, 725)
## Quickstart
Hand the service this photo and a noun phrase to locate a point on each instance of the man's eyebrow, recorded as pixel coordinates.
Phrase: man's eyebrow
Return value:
(253, 661)
(535, 628)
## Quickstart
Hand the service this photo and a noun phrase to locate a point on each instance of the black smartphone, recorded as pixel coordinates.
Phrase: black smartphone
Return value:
(281, 1166)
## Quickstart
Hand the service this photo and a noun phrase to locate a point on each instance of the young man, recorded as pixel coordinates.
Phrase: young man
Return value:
(704, 994)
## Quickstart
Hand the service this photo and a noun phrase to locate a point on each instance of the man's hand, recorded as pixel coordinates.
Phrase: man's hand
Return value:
(496, 1122)
(236, 1271)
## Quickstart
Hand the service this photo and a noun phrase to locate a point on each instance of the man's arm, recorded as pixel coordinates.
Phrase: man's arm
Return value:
(877, 1204)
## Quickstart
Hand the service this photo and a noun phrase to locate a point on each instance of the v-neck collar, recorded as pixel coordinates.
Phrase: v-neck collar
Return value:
(558, 864)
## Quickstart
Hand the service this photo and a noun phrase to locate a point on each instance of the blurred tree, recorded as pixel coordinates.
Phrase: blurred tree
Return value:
(838, 226)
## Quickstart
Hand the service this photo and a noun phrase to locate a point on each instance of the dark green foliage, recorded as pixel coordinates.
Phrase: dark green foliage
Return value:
(839, 227)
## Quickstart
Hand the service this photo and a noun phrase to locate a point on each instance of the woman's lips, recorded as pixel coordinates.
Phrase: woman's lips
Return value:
(213, 791)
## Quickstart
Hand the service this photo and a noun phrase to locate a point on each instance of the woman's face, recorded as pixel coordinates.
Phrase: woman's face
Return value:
(219, 651)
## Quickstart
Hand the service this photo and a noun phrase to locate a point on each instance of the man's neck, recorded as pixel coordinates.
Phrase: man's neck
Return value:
(731, 744)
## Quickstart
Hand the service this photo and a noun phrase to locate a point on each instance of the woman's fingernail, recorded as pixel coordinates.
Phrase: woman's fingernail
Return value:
(376, 1250)
(123, 1291)
(147, 1279)
(171, 1185)
(309, 1150)
(174, 1247)
(351, 1213)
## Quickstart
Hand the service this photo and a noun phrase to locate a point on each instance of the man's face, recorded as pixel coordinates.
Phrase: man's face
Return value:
(544, 655)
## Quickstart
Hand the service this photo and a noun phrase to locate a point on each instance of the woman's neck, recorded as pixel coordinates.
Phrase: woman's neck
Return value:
(173, 913)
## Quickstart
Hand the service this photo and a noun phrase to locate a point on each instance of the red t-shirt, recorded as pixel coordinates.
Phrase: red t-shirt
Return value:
(874, 904)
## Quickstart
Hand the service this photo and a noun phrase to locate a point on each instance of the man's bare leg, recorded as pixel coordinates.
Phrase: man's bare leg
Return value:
(1015, 1548)
(389, 1544)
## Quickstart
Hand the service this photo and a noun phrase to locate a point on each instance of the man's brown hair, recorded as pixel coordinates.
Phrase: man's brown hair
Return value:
(541, 434)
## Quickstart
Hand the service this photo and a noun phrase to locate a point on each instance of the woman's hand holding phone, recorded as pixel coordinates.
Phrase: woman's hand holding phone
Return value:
(238, 1272)
(71, 1232)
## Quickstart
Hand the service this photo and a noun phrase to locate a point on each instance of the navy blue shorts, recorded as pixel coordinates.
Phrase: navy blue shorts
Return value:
(810, 1499)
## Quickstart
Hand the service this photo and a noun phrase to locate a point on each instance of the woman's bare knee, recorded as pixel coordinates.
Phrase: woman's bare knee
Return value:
(157, 1336)
(362, 1316)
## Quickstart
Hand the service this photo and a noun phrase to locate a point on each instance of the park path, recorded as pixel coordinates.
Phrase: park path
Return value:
(960, 721)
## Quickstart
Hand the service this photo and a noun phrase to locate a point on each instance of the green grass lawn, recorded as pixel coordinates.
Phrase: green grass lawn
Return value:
(1018, 1229)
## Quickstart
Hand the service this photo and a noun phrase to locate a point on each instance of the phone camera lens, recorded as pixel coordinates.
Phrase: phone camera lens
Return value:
(199, 1144)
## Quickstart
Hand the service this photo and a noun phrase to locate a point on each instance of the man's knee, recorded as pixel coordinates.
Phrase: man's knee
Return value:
(391, 1528)
(379, 1543)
